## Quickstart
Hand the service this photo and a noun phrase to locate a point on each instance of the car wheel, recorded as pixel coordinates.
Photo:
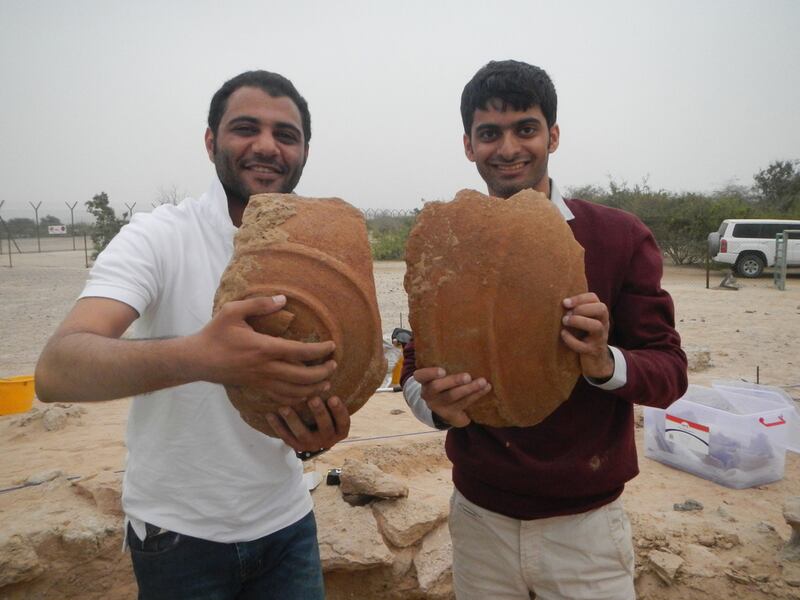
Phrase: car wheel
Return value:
(750, 265)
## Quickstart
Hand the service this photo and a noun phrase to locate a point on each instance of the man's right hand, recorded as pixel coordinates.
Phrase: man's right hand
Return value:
(449, 396)
(230, 351)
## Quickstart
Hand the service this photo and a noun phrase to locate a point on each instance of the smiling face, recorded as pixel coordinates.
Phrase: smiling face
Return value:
(259, 147)
(511, 148)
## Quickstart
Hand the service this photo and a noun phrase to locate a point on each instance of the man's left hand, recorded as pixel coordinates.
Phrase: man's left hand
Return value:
(585, 331)
(333, 425)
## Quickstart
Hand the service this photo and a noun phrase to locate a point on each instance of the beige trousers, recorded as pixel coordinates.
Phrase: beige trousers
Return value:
(575, 557)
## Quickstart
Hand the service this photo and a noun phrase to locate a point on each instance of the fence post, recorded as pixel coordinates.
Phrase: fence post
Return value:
(36, 212)
(10, 265)
(85, 250)
(72, 220)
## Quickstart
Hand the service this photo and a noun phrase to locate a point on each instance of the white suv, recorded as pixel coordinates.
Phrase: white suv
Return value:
(749, 244)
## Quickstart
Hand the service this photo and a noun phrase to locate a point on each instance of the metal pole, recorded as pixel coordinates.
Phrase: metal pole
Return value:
(85, 250)
(9, 250)
(708, 265)
(72, 221)
(130, 208)
(36, 212)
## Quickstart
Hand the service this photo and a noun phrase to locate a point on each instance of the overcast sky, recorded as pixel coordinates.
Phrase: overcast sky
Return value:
(112, 96)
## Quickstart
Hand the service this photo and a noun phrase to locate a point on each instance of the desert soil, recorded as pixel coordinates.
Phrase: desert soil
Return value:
(729, 548)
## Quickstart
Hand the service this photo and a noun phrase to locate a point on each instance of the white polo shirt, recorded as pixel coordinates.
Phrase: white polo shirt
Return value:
(194, 466)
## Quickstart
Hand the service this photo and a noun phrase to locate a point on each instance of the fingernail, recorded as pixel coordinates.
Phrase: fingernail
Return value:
(568, 302)
(315, 403)
(284, 411)
(465, 378)
(440, 373)
(271, 418)
(481, 382)
(565, 319)
(279, 299)
(326, 387)
(333, 364)
(334, 401)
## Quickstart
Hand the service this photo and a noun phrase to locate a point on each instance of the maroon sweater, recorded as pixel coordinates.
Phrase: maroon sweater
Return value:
(580, 456)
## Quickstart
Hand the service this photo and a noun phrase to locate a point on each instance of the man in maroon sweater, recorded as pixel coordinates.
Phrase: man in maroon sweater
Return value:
(538, 509)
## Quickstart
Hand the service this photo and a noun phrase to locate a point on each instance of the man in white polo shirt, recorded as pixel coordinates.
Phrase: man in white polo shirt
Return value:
(215, 509)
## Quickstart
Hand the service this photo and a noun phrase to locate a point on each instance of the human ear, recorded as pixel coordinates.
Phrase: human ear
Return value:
(555, 133)
(468, 148)
(209, 137)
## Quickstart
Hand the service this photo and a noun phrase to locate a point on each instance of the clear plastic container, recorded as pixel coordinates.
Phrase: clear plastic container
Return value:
(770, 393)
(736, 440)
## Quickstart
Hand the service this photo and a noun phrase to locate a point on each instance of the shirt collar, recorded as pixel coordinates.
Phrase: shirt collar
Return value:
(218, 202)
(558, 201)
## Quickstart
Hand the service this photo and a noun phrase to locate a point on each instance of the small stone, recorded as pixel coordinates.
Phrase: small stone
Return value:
(406, 521)
(740, 563)
(396, 411)
(737, 577)
(44, 476)
(18, 560)
(665, 565)
(791, 512)
(699, 561)
(434, 562)
(104, 489)
(725, 515)
(764, 527)
(707, 540)
(54, 418)
(688, 505)
(363, 478)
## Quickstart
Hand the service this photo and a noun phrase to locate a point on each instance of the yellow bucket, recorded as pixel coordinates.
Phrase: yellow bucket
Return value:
(16, 394)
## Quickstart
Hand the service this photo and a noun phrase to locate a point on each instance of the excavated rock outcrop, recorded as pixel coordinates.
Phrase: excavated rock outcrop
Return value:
(485, 280)
(316, 252)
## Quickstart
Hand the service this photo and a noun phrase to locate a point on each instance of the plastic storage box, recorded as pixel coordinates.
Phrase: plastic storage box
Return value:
(733, 439)
(770, 393)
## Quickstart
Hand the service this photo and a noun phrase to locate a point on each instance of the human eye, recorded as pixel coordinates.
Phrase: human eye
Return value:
(527, 130)
(288, 136)
(487, 135)
(244, 129)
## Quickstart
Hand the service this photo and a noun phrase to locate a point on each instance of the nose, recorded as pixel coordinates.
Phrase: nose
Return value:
(265, 144)
(509, 146)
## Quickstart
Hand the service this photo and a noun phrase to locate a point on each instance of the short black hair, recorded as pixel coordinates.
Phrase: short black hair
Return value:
(273, 84)
(518, 84)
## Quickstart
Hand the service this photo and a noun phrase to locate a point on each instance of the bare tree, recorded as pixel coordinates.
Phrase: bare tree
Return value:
(169, 195)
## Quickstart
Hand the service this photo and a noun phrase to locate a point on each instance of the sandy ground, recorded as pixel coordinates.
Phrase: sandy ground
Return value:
(729, 548)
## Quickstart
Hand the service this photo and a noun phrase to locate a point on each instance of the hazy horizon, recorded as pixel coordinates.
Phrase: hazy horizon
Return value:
(111, 96)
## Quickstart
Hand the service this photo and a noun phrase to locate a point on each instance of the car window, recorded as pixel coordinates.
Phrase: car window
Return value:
(722, 228)
(770, 230)
(747, 230)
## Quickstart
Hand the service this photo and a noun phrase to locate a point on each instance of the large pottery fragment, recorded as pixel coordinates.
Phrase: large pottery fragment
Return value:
(316, 252)
(485, 280)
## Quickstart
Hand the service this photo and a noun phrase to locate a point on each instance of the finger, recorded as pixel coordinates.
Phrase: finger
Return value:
(290, 393)
(298, 429)
(587, 324)
(585, 298)
(456, 394)
(252, 307)
(280, 429)
(341, 417)
(449, 383)
(429, 374)
(294, 351)
(595, 310)
(576, 344)
(470, 399)
(299, 374)
(325, 428)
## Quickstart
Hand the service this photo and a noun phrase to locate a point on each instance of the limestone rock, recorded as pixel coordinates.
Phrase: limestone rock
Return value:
(104, 489)
(700, 561)
(54, 418)
(363, 478)
(18, 560)
(348, 537)
(434, 561)
(665, 565)
(485, 279)
(406, 521)
(791, 512)
(688, 505)
(44, 476)
(316, 252)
